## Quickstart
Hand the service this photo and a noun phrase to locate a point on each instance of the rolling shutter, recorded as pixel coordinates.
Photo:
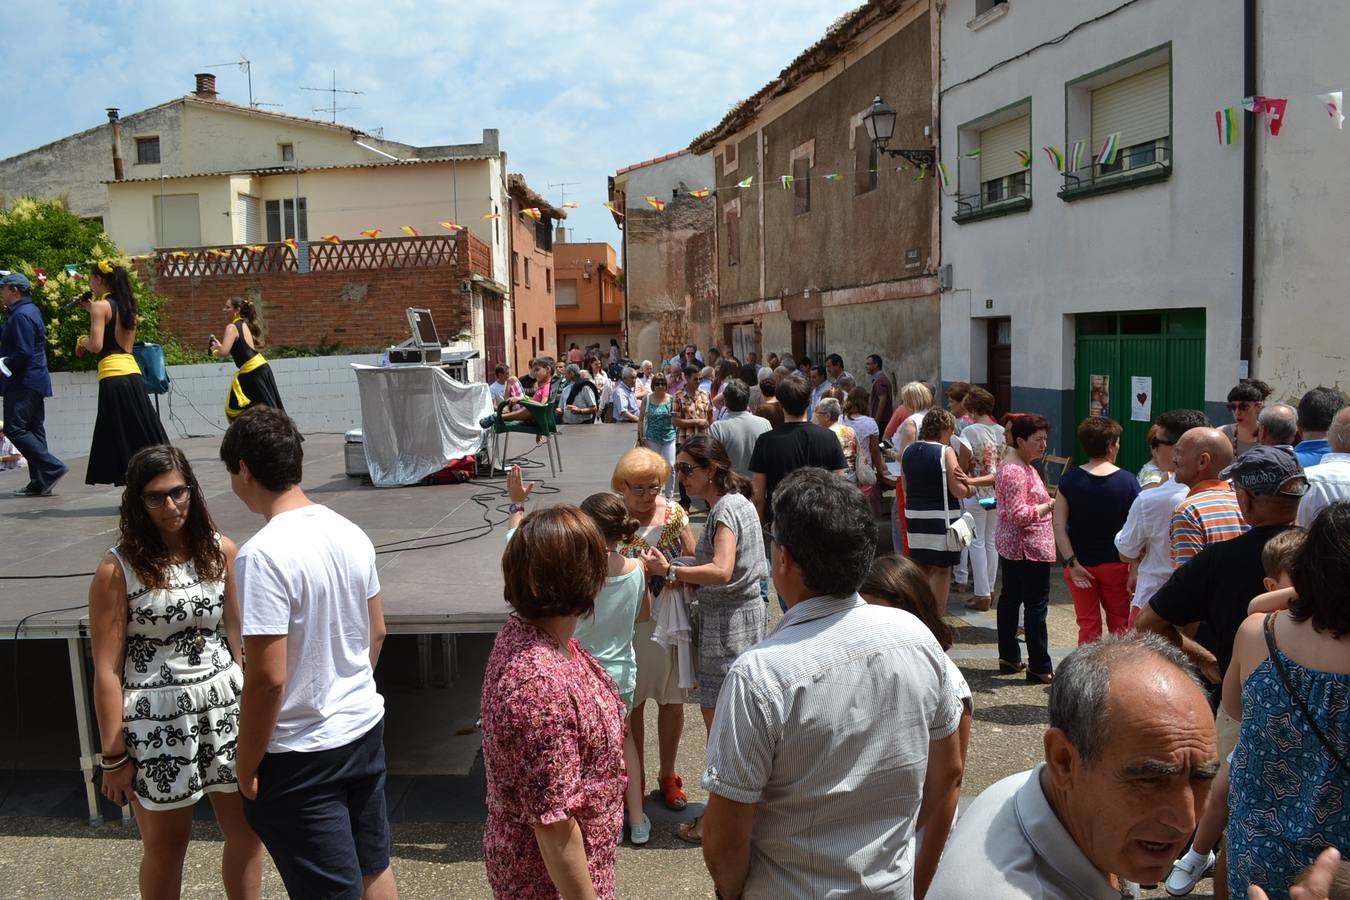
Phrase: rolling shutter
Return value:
(178, 223)
(1139, 107)
(998, 146)
(248, 220)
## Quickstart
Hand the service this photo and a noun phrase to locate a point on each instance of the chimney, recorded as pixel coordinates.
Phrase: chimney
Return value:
(206, 86)
(116, 124)
(561, 237)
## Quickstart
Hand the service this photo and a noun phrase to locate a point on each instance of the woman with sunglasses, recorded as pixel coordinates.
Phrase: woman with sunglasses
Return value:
(656, 424)
(1245, 402)
(164, 624)
(729, 560)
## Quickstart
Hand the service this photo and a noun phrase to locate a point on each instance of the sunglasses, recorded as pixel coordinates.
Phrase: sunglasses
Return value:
(650, 490)
(686, 469)
(1161, 442)
(156, 499)
(1243, 406)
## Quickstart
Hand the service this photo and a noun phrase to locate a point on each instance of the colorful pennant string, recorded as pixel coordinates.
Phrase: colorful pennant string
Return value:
(700, 194)
(451, 226)
(331, 238)
(971, 154)
(571, 204)
(490, 216)
(409, 230)
(1056, 158)
(290, 242)
(1078, 159)
(614, 209)
(1226, 121)
(656, 203)
(372, 233)
(1270, 107)
(1024, 157)
(786, 181)
(1110, 147)
(533, 212)
(746, 182)
(1334, 106)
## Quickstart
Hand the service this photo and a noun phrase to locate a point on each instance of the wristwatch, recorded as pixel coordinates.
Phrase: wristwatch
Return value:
(517, 507)
(1071, 561)
(671, 574)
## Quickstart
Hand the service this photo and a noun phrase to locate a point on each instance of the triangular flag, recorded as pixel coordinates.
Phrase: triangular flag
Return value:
(1110, 147)
(787, 181)
(922, 173)
(971, 154)
(1334, 106)
(489, 216)
(255, 248)
(372, 233)
(571, 204)
(700, 194)
(40, 275)
(331, 238)
(613, 208)
(290, 242)
(746, 182)
(533, 212)
(656, 203)
(72, 269)
(834, 176)
(183, 254)
(1079, 156)
(1226, 121)
(946, 178)
(1271, 107)
(409, 230)
(1056, 157)
(216, 251)
(1024, 157)
(451, 226)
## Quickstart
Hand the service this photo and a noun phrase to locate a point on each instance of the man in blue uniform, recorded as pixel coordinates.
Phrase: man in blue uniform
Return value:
(25, 384)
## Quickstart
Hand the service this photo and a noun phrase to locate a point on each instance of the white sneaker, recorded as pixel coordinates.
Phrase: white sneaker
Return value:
(1187, 871)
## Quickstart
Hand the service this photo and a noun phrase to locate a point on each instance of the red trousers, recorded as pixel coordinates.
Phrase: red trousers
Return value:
(1106, 594)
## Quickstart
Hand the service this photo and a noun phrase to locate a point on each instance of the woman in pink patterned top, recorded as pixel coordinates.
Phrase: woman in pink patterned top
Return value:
(1026, 548)
(552, 719)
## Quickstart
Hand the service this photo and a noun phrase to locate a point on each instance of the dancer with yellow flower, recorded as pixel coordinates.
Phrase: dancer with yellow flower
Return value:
(126, 421)
(253, 382)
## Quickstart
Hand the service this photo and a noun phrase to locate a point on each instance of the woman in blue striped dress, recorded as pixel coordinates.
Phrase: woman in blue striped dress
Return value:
(932, 501)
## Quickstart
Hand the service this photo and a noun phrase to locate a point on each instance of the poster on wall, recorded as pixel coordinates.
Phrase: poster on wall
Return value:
(1099, 402)
(1141, 398)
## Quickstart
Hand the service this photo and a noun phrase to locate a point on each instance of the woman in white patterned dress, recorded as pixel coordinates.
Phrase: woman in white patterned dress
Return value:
(164, 623)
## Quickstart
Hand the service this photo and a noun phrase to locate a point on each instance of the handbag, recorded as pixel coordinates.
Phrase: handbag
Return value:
(960, 532)
(1288, 686)
(862, 465)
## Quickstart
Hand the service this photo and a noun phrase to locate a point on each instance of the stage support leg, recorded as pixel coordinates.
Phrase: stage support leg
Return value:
(79, 682)
(437, 660)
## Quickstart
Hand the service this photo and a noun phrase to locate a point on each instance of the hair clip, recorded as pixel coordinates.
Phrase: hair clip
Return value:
(105, 267)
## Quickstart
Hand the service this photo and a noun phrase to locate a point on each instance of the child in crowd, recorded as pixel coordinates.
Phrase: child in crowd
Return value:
(513, 390)
(10, 458)
(1277, 558)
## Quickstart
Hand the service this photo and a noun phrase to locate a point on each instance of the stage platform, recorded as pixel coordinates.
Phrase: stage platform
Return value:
(439, 559)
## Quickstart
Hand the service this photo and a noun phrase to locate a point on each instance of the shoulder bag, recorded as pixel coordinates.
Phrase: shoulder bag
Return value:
(862, 462)
(961, 532)
(1298, 701)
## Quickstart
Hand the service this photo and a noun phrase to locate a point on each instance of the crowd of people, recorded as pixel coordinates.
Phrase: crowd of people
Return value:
(1204, 586)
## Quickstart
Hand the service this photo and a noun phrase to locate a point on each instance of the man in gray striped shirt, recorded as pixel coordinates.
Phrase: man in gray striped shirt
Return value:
(836, 736)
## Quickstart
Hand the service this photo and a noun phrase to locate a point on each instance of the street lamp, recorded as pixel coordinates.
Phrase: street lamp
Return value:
(880, 122)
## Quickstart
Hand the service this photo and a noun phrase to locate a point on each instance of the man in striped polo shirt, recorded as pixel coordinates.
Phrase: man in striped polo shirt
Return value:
(1209, 514)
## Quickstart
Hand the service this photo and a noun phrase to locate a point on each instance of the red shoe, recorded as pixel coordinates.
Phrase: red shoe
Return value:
(672, 792)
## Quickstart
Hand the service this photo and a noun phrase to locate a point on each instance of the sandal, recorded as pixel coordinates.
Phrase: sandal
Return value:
(672, 792)
(1008, 667)
(980, 604)
(691, 832)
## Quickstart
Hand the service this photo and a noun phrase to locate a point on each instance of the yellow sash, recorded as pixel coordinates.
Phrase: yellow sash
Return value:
(241, 400)
(117, 364)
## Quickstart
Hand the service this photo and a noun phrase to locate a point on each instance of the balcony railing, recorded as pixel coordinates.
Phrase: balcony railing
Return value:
(973, 207)
(1140, 164)
(321, 256)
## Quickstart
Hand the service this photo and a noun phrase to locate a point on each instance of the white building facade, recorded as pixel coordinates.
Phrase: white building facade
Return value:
(1131, 269)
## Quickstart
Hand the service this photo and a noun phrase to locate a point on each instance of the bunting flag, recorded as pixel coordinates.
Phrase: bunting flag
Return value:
(1056, 158)
(944, 176)
(331, 238)
(1270, 107)
(40, 276)
(834, 176)
(533, 212)
(1226, 121)
(183, 254)
(921, 174)
(290, 242)
(1078, 159)
(571, 204)
(656, 203)
(1334, 106)
(701, 194)
(971, 154)
(409, 230)
(451, 226)
(72, 270)
(614, 209)
(1024, 157)
(216, 251)
(372, 233)
(255, 248)
(746, 182)
(490, 216)
(1110, 147)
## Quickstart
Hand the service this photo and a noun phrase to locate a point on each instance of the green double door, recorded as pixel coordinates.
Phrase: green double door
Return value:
(1114, 349)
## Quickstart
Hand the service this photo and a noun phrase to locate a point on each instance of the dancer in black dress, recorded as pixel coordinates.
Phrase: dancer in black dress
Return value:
(253, 382)
(126, 421)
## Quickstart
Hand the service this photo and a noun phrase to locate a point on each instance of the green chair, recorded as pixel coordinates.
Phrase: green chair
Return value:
(545, 424)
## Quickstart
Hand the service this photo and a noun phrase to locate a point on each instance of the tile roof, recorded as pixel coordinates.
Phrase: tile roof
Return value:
(652, 162)
(291, 170)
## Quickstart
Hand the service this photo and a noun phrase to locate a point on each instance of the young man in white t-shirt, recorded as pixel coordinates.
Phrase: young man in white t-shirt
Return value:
(310, 759)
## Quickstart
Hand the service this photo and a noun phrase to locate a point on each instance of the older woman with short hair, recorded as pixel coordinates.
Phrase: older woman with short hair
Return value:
(827, 415)
(552, 719)
(1026, 548)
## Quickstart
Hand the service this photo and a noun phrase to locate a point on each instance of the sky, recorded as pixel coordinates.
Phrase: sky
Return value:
(577, 89)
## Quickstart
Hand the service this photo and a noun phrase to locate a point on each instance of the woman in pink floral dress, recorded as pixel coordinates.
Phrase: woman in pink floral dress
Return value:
(1026, 549)
(552, 719)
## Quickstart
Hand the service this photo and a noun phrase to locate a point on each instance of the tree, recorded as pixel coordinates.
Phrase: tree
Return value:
(44, 235)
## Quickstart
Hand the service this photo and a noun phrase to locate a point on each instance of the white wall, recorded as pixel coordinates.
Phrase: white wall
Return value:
(1172, 245)
(319, 393)
(1303, 203)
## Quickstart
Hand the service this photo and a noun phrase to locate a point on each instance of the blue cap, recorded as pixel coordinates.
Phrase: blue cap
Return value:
(14, 279)
(1272, 471)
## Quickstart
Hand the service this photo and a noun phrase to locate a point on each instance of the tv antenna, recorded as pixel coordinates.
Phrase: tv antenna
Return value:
(332, 108)
(247, 68)
(562, 194)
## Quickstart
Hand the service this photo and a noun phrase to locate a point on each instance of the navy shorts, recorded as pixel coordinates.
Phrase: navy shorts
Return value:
(322, 816)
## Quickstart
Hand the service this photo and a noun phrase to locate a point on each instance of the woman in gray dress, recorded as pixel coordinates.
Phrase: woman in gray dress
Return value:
(729, 560)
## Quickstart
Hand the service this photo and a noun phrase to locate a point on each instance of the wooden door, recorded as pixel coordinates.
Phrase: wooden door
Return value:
(494, 331)
(999, 364)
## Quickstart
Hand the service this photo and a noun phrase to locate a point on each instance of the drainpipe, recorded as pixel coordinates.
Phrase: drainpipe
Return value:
(116, 124)
(1249, 88)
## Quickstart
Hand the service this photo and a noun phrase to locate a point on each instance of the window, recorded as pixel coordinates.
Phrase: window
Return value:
(1138, 109)
(287, 152)
(543, 235)
(287, 219)
(178, 221)
(1002, 174)
(983, 6)
(865, 162)
(527, 273)
(524, 331)
(729, 158)
(548, 281)
(567, 292)
(801, 185)
(731, 228)
(147, 151)
(515, 267)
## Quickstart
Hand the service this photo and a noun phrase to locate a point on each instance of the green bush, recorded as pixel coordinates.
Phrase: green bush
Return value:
(46, 235)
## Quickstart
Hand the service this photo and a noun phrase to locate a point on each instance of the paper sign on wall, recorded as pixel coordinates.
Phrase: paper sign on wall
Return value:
(1141, 398)
(1099, 401)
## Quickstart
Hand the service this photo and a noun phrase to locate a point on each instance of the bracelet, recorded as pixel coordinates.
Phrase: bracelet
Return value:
(517, 507)
(121, 761)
